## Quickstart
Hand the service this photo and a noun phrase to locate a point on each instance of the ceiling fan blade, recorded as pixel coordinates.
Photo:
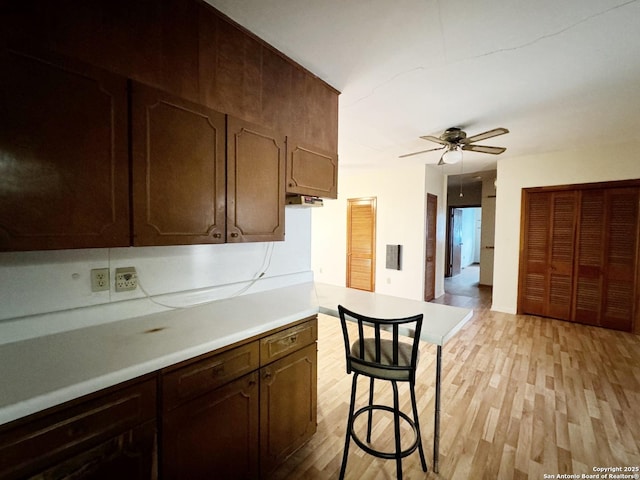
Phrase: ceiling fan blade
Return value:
(418, 153)
(484, 149)
(431, 138)
(488, 134)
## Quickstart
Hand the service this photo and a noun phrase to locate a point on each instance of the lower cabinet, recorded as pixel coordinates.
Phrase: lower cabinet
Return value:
(107, 435)
(288, 406)
(219, 421)
(216, 433)
(234, 413)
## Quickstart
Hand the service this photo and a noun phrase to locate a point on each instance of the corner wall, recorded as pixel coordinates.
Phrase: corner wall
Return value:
(401, 204)
(608, 163)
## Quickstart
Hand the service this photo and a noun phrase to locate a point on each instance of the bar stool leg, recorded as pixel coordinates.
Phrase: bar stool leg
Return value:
(396, 425)
(352, 404)
(370, 414)
(415, 419)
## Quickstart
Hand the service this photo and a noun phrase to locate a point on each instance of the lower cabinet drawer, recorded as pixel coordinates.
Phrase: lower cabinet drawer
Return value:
(207, 374)
(30, 446)
(287, 341)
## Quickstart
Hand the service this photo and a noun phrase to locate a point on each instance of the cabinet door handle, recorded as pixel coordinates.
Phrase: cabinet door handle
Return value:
(217, 235)
(234, 235)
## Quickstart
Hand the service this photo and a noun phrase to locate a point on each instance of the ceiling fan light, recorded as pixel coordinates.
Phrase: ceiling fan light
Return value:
(452, 155)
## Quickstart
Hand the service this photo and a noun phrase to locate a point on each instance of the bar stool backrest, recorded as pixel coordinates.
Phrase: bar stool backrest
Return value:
(381, 355)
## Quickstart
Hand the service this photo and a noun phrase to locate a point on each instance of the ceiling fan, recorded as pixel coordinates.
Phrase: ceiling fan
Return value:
(454, 140)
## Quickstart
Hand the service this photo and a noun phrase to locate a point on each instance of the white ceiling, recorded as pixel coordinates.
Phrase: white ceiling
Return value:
(557, 74)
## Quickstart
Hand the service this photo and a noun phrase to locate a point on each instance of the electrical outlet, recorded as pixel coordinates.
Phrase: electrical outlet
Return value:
(99, 279)
(126, 279)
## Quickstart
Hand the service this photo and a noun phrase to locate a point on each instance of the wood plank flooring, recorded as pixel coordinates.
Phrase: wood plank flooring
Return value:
(522, 397)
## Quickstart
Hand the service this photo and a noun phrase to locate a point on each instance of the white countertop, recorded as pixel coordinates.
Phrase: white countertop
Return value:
(42, 372)
(441, 322)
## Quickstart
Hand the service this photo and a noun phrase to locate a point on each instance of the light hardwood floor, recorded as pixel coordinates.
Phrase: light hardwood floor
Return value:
(522, 397)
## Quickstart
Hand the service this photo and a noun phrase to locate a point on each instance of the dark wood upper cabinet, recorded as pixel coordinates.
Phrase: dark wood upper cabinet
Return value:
(311, 171)
(579, 254)
(255, 183)
(65, 181)
(63, 146)
(178, 152)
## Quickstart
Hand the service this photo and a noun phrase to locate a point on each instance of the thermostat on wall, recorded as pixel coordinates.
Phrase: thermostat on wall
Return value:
(394, 253)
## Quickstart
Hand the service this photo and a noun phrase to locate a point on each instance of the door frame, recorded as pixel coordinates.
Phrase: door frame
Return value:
(372, 201)
(431, 231)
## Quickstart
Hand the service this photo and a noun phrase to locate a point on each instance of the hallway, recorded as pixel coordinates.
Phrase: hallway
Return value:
(463, 290)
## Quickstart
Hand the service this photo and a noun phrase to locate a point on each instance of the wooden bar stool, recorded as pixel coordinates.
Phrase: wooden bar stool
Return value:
(383, 359)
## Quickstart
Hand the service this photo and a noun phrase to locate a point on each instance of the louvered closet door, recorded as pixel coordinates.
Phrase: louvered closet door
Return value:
(606, 257)
(549, 240)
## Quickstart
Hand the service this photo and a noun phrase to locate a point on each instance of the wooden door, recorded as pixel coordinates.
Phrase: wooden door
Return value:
(215, 435)
(430, 249)
(63, 138)
(288, 406)
(178, 150)
(454, 235)
(255, 183)
(548, 250)
(361, 243)
(607, 248)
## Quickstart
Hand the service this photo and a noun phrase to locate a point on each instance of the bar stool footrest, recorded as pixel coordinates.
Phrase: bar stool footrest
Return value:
(378, 453)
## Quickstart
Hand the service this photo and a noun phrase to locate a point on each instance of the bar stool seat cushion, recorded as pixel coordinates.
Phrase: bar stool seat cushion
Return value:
(386, 359)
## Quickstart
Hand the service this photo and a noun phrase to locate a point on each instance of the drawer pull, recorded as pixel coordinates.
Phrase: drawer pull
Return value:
(290, 340)
(218, 370)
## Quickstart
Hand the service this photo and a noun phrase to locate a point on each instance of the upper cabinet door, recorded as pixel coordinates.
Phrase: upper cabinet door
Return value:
(178, 170)
(255, 183)
(63, 155)
(311, 171)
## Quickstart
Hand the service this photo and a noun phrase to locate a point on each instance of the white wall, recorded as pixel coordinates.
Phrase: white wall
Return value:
(36, 284)
(611, 162)
(401, 201)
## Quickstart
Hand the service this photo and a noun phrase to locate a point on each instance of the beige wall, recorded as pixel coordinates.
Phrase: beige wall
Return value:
(611, 162)
(401, 198)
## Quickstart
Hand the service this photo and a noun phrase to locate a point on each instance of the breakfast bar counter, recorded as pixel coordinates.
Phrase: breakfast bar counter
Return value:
(441, 322)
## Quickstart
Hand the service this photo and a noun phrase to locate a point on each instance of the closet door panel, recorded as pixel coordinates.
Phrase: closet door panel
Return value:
(590, 257)
(562, 242)
(548, 252)
(535, 253)
(621, 253)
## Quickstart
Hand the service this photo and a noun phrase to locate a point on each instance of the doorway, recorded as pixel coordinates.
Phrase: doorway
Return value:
(361, 243)
(463, 243)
